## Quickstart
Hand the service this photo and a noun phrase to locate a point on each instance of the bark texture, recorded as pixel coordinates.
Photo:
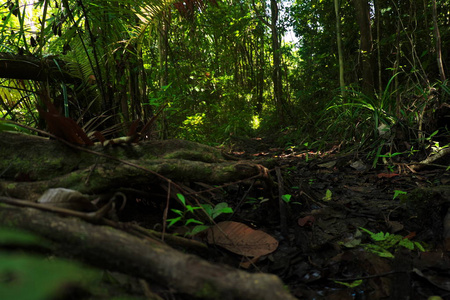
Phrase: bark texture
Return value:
(114, 249)
(30, 165)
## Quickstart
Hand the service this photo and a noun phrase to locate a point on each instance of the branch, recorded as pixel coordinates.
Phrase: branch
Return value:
(28, 67)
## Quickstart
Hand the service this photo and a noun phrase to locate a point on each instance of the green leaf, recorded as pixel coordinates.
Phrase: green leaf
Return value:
(197, 229)
(220, 209)
(16, 237)
(419, 246)
(6, 126)
(407, 244)
(286, 198)
(177, 211)
(328, 195)
(208, 209)
(366, 231)
(181, 198)
(351, 284)
(380, 236)
(192, 208)
(380, 251)
(398, 192)
(35, 278)
(173, 221)
(189, 221)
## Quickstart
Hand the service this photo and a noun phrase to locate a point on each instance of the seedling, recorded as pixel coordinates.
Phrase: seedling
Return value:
(385, 241)
(212, 211)
(328, 195)
(286, 198)
(398, 193)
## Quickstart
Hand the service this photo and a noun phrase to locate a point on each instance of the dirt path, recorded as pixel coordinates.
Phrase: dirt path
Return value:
(336, 203)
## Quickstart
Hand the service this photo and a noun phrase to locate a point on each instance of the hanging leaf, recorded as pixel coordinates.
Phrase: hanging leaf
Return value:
(181, 198)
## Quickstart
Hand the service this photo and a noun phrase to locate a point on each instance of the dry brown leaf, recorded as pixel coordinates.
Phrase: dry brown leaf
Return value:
(66, 198)
(241, 239)
(306, 221)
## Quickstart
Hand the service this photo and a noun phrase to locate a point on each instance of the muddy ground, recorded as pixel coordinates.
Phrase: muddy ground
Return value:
(349, 231)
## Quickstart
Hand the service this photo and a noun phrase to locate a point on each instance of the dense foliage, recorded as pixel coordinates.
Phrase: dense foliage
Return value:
(224, 68)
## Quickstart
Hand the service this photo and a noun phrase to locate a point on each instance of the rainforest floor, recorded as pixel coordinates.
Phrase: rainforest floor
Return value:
(345, 230)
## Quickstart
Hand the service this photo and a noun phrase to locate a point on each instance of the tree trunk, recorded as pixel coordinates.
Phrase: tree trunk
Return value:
(276, 75)
(340, 51)
(366, 44)
(379, 66)
(163, 47)
(437, 36)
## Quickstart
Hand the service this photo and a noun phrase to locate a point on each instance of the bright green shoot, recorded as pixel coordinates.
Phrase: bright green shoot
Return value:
(398, 193)
(286, 198)
(182, 216)
(383, 242)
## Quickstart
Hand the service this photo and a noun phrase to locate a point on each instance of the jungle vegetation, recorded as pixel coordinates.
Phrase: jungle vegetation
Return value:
(220, 69)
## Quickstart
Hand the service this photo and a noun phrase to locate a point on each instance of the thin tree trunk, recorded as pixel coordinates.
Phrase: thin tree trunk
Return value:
(163, 47)
(366, 43)
(396, 68)
(437, 36)
(276, 75)
(340, 51)
(378, 16)
(260, 70)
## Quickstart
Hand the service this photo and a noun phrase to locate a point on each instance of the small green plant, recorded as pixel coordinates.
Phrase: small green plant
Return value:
(436, 148)
(286, 198)
(387, 159)
(328, 195)
(397, 193)
(184, 216)
(411, 151)
(383, 242)
(307, 151)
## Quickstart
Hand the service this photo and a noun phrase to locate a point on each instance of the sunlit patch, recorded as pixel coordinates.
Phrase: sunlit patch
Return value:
(255, 122)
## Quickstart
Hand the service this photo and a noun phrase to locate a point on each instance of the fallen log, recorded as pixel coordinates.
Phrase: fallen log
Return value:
(116, 250)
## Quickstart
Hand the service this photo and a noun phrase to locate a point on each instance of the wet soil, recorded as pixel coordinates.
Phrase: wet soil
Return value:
(351, 231)
(345, 230)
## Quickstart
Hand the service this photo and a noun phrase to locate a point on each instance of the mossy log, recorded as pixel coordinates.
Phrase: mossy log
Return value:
(31, 164)
(116, 250)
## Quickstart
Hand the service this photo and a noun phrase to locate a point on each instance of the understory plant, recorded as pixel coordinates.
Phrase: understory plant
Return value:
(383, 243)
(187, 216)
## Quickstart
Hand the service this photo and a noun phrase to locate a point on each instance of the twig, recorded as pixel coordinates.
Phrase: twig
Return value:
(366, 277)
(89, 216)
(281, 203)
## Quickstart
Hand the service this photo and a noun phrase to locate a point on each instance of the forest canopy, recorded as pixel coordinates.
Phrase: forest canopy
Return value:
(223, 69)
